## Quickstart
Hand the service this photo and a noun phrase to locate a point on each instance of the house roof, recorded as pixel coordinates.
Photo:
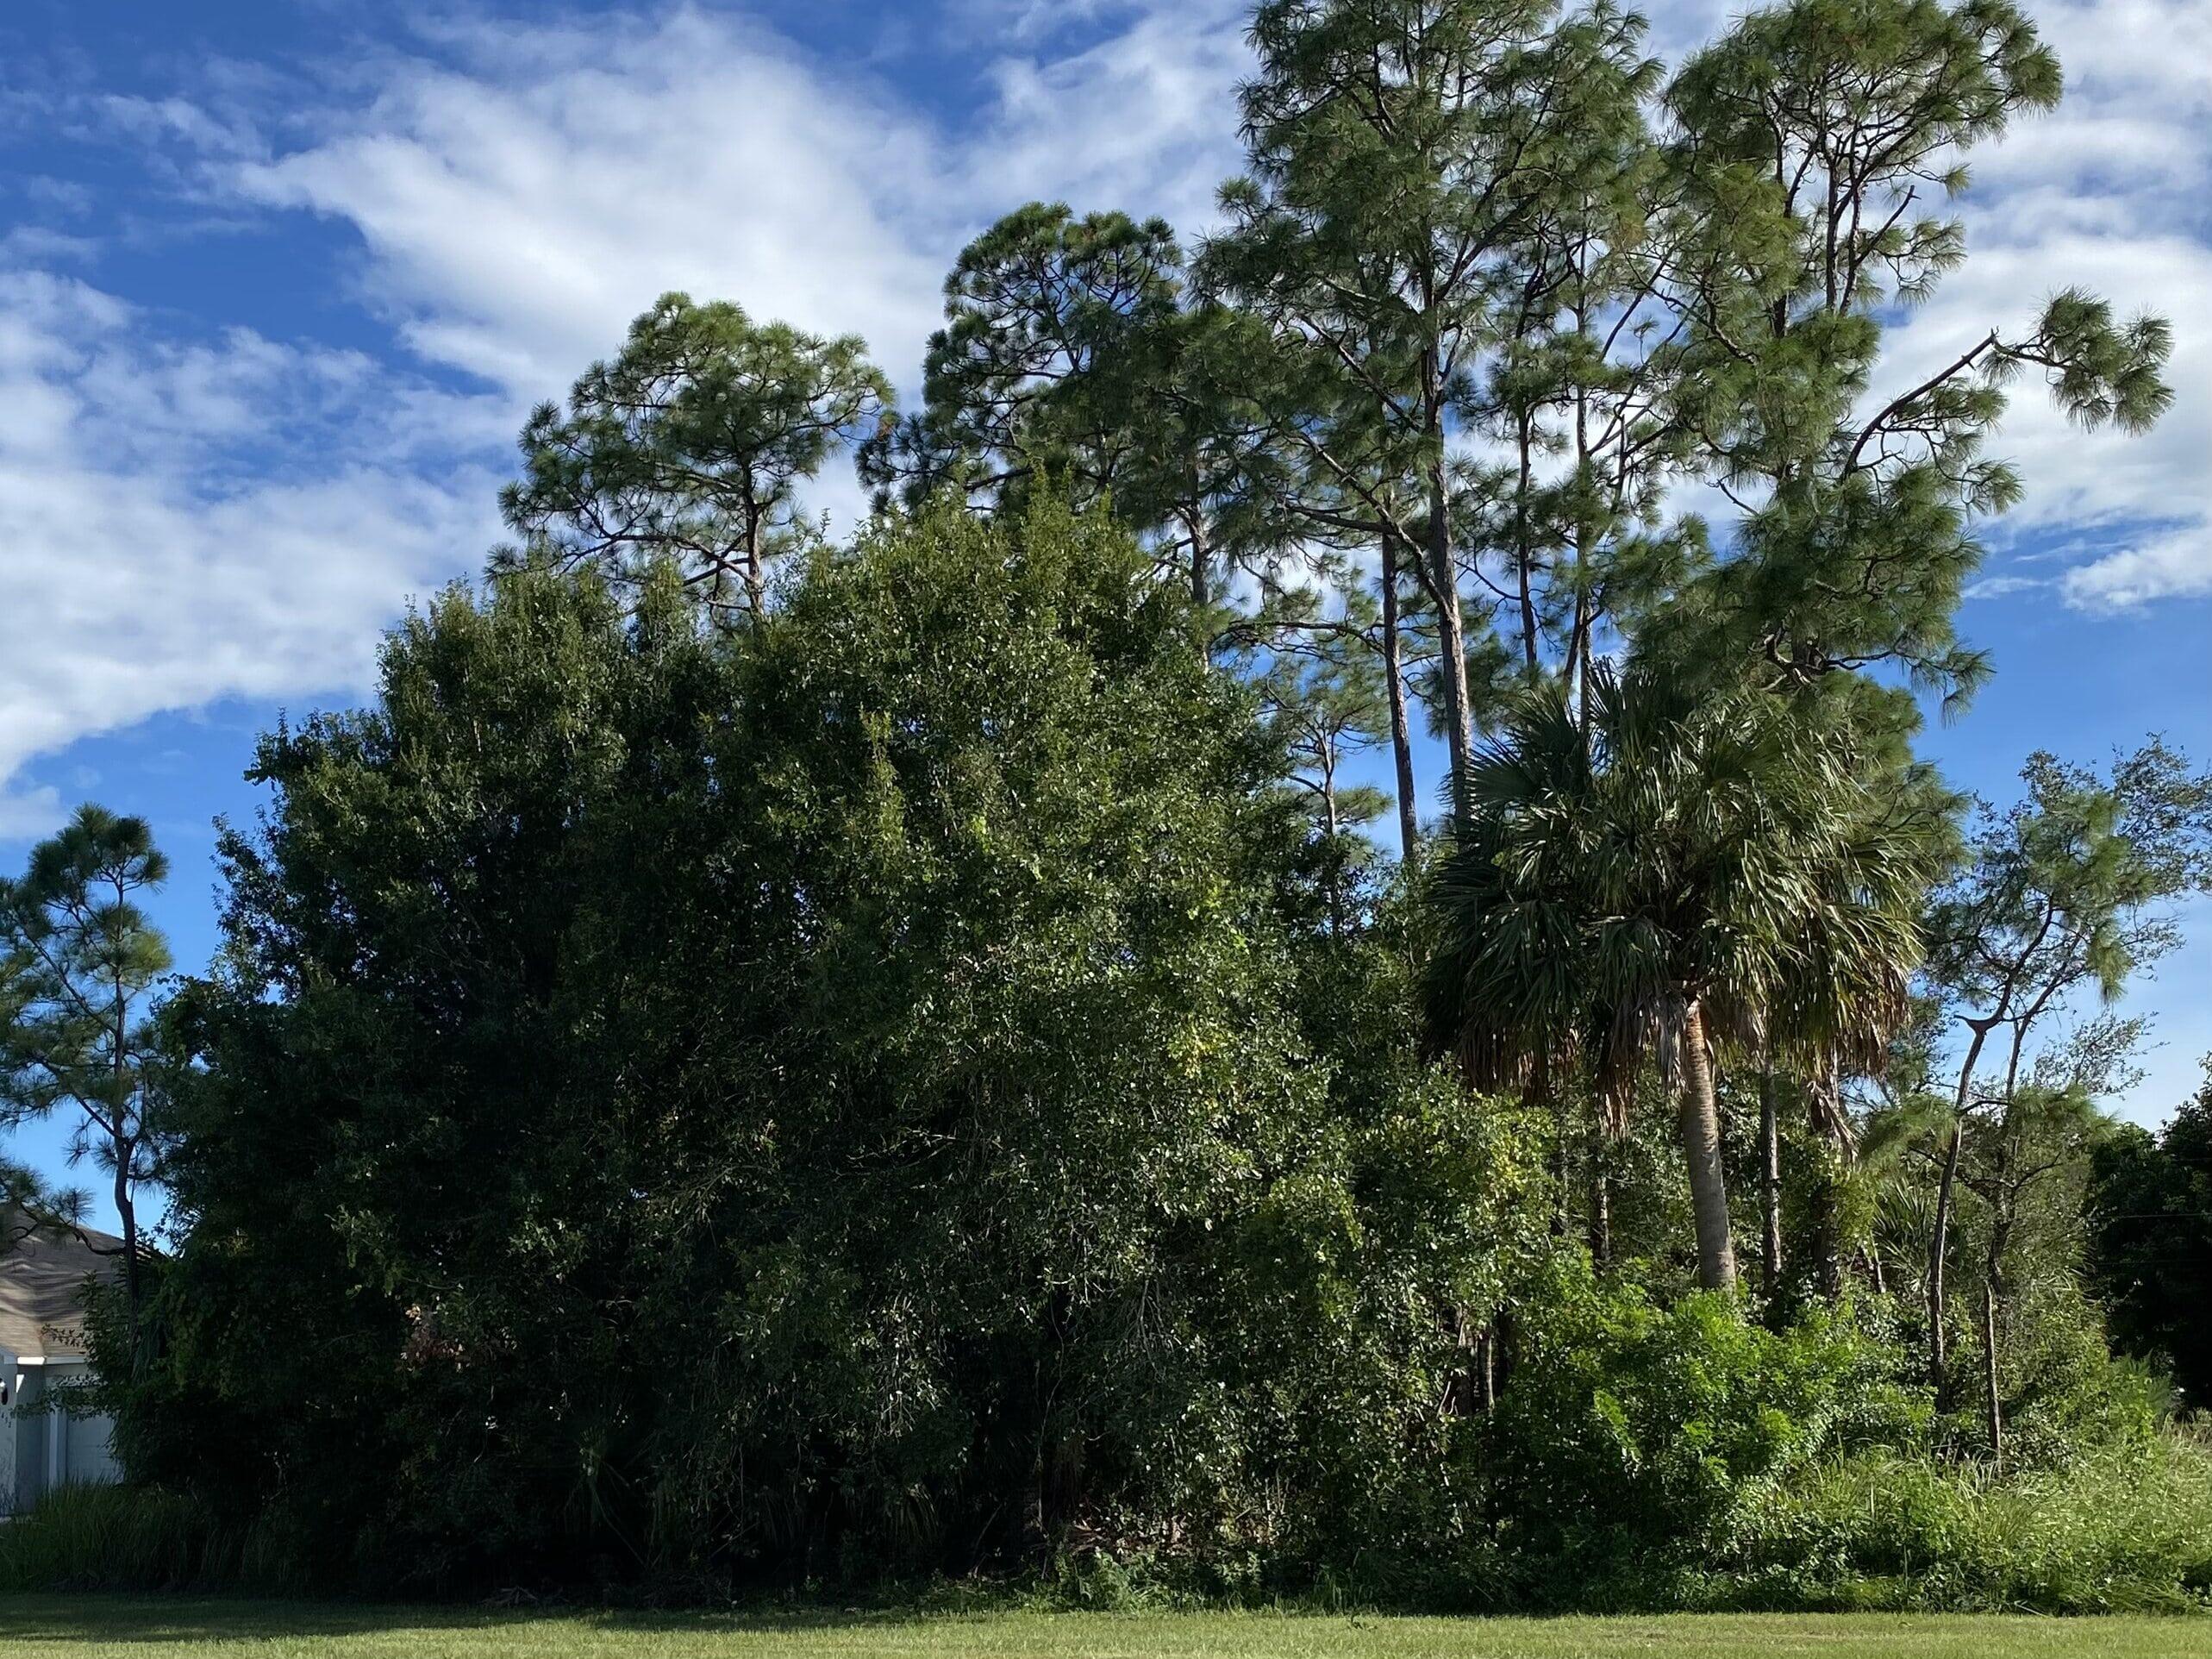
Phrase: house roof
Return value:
(42, 1283)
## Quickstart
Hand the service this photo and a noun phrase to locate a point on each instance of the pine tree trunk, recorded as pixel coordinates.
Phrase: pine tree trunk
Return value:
(756, 579)
(1201, 594)
(1443, 579)
(1701, 1146)
(1401, 733)
(134, 1275)
(1335, 851)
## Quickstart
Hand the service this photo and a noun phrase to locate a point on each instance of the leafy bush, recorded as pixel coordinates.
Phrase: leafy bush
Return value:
(1634, 1439)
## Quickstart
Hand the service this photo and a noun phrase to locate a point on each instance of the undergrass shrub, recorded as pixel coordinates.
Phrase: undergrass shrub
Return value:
(2127, 1530)
(138, 1538)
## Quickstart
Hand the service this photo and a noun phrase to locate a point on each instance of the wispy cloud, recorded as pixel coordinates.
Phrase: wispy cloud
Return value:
(2175, 566)
(163, 551)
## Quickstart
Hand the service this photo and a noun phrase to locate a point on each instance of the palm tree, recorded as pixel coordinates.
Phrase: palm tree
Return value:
(1647, 883)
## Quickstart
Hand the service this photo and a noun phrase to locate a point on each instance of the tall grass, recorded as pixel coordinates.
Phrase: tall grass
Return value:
(111, 1537)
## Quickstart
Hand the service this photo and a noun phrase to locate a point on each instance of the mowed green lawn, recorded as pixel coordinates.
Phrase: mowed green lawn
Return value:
(103, 1628)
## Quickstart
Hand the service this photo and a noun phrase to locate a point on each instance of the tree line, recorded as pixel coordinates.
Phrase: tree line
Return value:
(772, 1053)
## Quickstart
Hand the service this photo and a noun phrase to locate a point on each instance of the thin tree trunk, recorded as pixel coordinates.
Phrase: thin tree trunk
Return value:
(1335, 851)
(1992, 1304)
(1990, 1371)
(1937, 1248)
(1401, 735)
(1600, 1200)
(1560, 1162)
(1829, 1190)
(1939, 1243)
(1525, 554)
(134, 1277)
(1201, 555)
(756, 583)
(1769, 1187)
(1701, 1146)
(119, 1145)
(1443, 578)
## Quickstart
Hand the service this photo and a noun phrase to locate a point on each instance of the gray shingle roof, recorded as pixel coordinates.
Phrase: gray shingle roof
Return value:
(42, 1291)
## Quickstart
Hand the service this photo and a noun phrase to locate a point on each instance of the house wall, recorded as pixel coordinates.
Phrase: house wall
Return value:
(52, 1447)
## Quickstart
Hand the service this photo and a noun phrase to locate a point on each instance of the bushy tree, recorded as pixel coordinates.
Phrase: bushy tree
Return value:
(2065, 892)
(840, 1095)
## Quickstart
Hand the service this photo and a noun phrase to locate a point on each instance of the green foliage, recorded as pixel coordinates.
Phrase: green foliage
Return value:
(2122, 1532)
(1813, 138)
(1637, 1440)
(136, 1538)
(1652, 873)
(2149, 1212)
(688, 449)
(833, 1095)
(81, 968)
(756, 1061)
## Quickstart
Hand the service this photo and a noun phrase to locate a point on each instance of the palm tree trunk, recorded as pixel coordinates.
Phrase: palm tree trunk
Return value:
(1701, 1146)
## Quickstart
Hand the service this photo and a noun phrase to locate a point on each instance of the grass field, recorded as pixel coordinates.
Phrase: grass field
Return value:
(103, 1628)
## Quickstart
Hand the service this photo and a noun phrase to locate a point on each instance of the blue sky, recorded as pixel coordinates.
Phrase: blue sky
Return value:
(278, 283)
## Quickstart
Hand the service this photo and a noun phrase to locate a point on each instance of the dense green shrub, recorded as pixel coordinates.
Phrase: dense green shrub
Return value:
(877, 1093)
(1635, 1440)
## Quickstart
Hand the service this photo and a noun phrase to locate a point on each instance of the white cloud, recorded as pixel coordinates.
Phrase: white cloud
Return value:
(158, 557)
(235, 516)
(1145, 120)
(2104, 193)
(1993, 587)
(521, 196)
(2177, 565)
(515, 226)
